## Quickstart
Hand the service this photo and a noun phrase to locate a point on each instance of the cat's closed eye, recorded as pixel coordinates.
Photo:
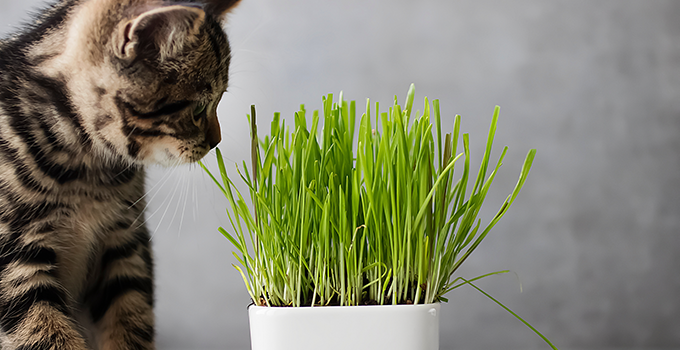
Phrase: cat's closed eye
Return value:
(199, 111)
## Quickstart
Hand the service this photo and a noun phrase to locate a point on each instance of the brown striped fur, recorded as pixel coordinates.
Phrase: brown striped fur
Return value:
(90, 94)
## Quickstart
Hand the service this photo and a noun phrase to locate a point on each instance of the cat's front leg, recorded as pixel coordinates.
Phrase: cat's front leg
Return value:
(121, 306)
(35, 307)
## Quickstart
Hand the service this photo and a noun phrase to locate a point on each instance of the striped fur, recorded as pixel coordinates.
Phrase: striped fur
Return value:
(90, 94)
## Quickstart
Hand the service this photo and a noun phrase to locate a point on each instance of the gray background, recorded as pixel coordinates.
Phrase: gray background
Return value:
(593, 85)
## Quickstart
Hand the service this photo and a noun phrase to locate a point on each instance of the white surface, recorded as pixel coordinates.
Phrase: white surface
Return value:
(394, 327)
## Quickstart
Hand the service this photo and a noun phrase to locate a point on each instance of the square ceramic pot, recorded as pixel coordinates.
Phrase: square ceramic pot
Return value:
(394, 327)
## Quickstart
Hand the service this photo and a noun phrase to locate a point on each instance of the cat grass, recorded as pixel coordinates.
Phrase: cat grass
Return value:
(362, 209)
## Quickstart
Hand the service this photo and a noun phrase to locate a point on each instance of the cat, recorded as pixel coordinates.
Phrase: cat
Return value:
(90, 94)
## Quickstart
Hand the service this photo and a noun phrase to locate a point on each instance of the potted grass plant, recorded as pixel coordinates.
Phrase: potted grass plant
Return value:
(355, 232)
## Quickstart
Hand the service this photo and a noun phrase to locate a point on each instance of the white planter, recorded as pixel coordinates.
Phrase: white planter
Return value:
(393, 327)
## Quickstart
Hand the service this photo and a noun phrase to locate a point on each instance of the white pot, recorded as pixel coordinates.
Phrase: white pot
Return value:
(393, 327)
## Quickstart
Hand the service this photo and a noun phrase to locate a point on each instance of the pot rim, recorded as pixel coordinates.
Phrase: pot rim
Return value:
(338, 307)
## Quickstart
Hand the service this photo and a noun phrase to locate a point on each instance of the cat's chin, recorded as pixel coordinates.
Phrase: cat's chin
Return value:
(168, 157)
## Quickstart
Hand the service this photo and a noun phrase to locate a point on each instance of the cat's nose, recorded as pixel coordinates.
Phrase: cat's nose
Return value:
(213, 134)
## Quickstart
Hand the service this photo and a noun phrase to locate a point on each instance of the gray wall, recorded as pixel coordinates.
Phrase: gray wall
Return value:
(593, 85)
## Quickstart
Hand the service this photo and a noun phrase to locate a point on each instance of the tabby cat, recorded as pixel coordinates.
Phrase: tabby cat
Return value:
(90, 93)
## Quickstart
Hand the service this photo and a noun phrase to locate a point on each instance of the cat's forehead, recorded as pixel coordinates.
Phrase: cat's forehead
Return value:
(212, 52)
(202, 67)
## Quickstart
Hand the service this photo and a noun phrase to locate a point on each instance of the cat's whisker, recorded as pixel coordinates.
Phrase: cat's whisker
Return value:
(182, 181)
(166, 204)
(147, 219)
(146, 193)
(156, 187)
(131, 131)
(129, 165)
(160, 184)
(187, 176)
(194, 202)
(174, 169)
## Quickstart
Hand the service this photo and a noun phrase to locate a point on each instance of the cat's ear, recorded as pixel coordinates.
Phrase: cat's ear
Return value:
(159, 33)
(219, 8)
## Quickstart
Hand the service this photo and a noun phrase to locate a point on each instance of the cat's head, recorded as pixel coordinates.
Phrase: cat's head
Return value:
(146, 76)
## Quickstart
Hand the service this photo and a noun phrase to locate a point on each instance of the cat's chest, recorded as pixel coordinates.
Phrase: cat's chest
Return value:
(91, 226)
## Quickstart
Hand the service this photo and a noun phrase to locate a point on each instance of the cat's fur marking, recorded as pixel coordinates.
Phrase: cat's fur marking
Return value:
(89, 95)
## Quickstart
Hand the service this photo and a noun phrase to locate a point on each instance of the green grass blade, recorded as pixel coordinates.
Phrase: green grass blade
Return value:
(512, 313)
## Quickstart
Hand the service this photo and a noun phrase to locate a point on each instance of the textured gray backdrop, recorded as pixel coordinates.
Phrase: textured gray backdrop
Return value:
(593, 85)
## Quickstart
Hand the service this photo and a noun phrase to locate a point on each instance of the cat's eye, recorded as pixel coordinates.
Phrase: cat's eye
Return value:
(199, 110)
